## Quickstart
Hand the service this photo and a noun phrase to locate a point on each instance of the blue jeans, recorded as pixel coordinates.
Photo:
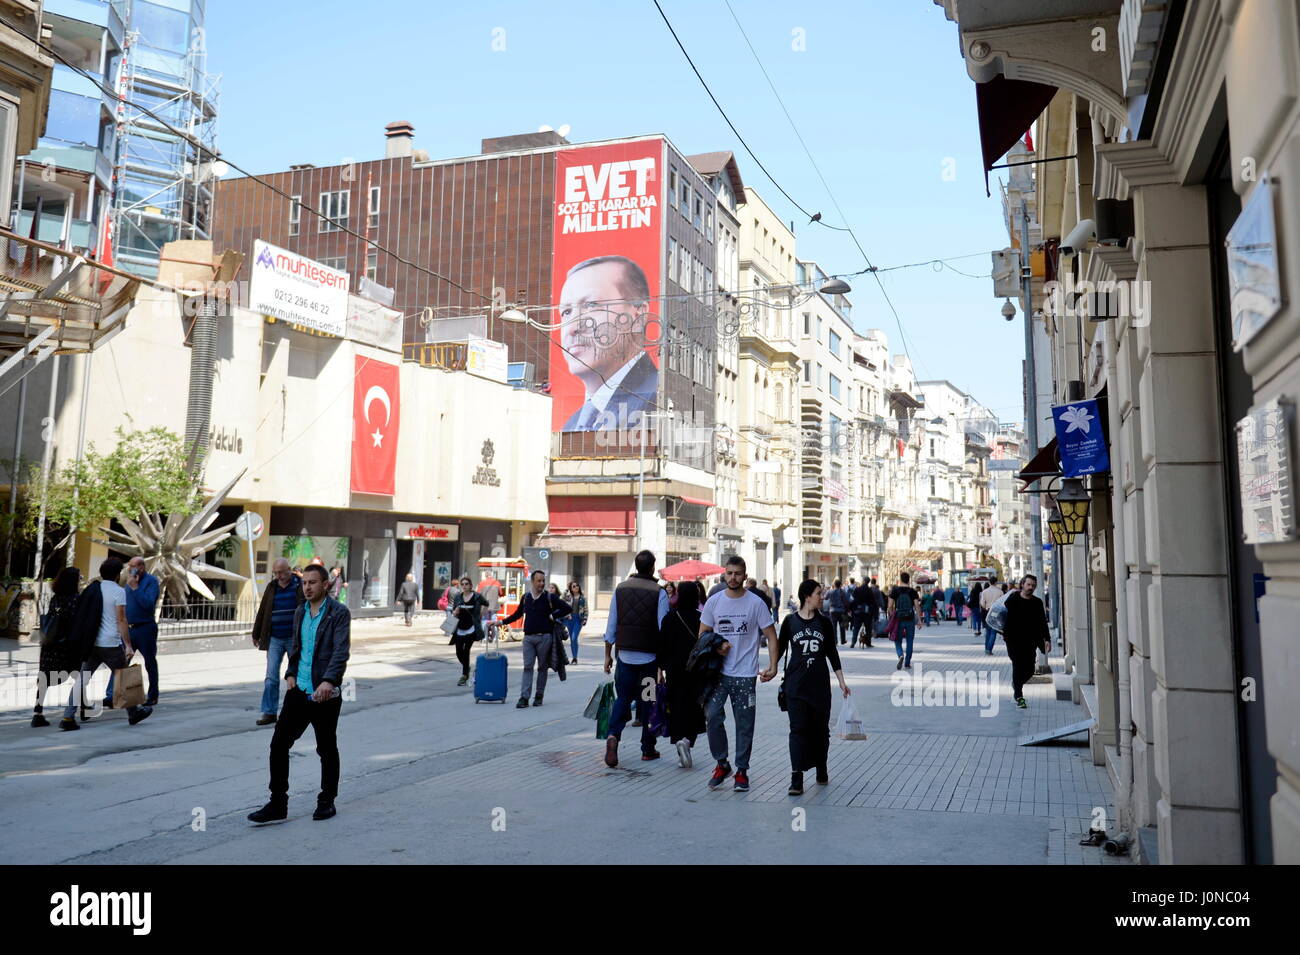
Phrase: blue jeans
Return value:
(990, 638)
(144, 637)
(574, 623)
(977, 618)
(906, 631)
(929, 616)
(629, 684)
(741, 691)
(275, 653)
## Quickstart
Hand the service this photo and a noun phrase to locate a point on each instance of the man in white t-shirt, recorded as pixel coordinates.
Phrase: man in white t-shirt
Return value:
(740, 616)
(112, 643)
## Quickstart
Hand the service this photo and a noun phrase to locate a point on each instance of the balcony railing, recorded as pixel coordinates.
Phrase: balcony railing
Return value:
(450, 356)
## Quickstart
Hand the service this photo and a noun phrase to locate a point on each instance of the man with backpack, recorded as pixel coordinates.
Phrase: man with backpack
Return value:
(903, 601)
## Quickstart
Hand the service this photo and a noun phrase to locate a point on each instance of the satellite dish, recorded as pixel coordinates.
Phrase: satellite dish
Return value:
(563, 130)
(544, 129)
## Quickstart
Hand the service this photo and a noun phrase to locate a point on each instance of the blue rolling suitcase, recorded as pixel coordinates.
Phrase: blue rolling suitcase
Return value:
(490, 672)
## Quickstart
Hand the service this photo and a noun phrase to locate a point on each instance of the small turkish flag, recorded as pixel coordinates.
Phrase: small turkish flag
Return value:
(375, 424)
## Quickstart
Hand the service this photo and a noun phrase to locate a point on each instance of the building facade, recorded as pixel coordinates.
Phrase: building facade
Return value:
(1179, 602)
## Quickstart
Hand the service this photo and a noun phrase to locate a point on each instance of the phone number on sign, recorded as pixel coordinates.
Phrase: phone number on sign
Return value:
(298, 301)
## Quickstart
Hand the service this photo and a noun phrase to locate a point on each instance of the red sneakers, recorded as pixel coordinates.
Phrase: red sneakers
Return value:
(742, 781)
(720, 772)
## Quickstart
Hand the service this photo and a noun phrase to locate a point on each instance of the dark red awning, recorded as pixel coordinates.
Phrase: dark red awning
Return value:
(697, 500)
(1046, 463)
(1006, 109)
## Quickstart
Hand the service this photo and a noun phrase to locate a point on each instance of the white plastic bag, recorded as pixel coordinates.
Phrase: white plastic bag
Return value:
(849, 723)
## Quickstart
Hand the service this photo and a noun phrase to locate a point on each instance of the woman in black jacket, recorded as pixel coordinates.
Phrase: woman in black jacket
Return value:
(677, 636)
(59, 650)
(809, 635)
(467, 607)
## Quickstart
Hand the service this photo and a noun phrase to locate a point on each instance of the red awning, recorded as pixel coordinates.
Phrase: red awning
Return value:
(1006, 109)
(592, 515)
(1046, 463)
(697, 500)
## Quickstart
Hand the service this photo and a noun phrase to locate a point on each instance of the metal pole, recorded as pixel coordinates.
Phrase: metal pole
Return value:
(81, 449)
(48, 438)
(1031, 392)
(640, 492)
(252, 570)
(14, 469)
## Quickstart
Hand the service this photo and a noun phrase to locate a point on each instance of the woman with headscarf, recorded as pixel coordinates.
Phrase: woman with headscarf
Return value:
(678, 634)
(809, 635)
(58, 646)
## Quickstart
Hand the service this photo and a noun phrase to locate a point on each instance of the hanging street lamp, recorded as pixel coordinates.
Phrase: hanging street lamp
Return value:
(1072, 504)
(1056, 525)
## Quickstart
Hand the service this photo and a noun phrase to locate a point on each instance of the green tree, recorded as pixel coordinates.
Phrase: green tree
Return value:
(146, 470)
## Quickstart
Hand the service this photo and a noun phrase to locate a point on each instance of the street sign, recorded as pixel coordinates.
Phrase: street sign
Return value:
(249, 527)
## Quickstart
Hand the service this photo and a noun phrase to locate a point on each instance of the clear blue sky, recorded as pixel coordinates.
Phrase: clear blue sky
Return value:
(880, 94)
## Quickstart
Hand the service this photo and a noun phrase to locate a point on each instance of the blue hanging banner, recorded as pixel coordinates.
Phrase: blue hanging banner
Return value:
(1080, 439)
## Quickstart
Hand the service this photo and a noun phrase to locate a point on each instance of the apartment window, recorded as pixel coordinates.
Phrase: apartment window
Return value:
(807, 324)
(684, 268)
(708, 281)
(699, 213)
(819, 328)
(708, 224)
(932, 451)
(672, 259)
(807, 369)
(835, 344)
(334, 211)
(373, 221)
(835, 387)
(295, 214)
(686, 200)
(372, 265)
(672, 181)
(819, 374)
(340, 263)
(932, 491)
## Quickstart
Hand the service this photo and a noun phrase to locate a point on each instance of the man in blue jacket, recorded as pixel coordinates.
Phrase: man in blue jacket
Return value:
(141, 604)
(318, 658)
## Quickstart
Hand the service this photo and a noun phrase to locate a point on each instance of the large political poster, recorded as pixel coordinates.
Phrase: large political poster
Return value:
(605, 281)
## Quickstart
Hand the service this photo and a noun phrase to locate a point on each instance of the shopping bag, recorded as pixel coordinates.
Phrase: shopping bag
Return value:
(449, 624)
(849, 724)
(605, 711)
(128, 687)
(593, 705)
(891, 628)
(659, 711)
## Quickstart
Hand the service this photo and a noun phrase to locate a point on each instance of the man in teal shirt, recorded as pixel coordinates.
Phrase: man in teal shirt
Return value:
(318, 658)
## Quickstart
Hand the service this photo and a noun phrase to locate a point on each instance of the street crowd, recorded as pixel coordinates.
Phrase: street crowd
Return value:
(678, 654)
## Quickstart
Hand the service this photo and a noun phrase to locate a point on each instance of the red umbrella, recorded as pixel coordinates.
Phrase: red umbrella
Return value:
(689, 570)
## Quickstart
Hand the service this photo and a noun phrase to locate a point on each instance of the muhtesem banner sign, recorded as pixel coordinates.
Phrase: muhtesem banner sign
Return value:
(1080, 439)
(293, 288)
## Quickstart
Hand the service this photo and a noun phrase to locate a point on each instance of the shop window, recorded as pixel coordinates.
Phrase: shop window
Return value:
(376, 572)
(605, 572)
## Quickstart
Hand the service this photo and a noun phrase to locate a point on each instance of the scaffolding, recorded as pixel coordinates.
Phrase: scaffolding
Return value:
(162, 182)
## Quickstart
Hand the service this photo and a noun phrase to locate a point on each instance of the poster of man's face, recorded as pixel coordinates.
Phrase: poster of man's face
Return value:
(603, 314)
(608, 245)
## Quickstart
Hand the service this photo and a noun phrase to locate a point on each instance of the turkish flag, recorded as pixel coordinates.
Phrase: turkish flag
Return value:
(375, 421)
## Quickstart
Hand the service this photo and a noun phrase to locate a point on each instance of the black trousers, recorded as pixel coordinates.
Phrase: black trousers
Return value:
(297, 713)
(1024, 655)
(462, 654)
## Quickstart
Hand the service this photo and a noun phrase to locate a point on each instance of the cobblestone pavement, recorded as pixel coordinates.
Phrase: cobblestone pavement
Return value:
(429, 776)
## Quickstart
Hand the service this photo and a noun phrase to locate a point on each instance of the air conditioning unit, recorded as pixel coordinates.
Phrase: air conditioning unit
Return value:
(520, 374)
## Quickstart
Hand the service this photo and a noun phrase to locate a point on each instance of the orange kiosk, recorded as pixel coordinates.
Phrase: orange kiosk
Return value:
(512, 574)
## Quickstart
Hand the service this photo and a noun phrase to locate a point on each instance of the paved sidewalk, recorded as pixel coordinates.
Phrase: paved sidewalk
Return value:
(428, 776)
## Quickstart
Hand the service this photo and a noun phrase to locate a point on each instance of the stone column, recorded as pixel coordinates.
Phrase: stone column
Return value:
(1192, 706)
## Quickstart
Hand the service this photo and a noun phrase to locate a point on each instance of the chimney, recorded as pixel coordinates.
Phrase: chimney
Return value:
(399, 139)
